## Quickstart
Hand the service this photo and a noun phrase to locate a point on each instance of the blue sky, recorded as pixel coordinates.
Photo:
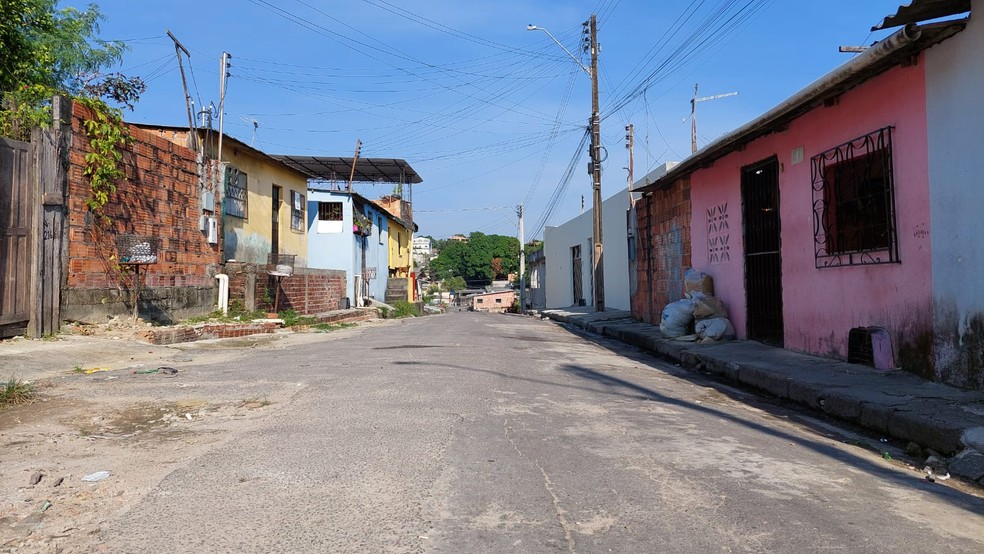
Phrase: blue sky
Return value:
(490, 114)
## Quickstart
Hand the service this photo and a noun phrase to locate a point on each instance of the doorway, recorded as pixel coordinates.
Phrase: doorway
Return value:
(275, 228)
(763, 251)
(576, 275)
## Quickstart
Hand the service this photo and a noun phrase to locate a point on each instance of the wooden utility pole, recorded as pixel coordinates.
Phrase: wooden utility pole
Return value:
(599, 262)
(178, 49)
(355, 160)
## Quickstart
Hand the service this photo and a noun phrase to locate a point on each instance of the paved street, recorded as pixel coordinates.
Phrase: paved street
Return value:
(482, 433)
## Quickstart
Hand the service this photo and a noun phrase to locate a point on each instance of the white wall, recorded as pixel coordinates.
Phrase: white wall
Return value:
(557, 243)
(955, 121)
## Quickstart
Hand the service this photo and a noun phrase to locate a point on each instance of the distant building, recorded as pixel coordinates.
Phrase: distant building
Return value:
(422, 251)
(459, 238)
(496, 301)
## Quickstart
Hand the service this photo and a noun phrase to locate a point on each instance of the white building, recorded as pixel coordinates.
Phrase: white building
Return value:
(569, 251)
(422, 250)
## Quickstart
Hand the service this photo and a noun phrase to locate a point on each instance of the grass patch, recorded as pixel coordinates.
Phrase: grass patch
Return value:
(236, 314)
(328, 327)
(254, 402)
(14, 392)
(292, 318)
(402, 308)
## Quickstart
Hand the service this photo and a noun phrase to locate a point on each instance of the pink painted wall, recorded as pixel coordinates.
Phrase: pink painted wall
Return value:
(820, 306)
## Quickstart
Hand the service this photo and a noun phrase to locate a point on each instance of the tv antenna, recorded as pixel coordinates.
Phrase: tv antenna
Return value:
(693, 114)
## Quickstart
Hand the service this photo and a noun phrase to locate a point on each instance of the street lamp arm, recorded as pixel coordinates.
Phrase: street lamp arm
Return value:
(532, 27)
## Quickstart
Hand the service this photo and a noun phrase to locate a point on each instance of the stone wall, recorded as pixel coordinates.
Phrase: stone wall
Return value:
(157, 198)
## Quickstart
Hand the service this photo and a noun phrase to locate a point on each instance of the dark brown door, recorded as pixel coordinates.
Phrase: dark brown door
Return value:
(763, 258)
(275, 232)
(576, 272)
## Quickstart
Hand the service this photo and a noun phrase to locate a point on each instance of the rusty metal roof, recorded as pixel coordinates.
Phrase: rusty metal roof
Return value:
(367, 170)
(918, 11)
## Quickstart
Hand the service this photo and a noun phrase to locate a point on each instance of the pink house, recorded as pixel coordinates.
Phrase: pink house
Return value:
(853, 205)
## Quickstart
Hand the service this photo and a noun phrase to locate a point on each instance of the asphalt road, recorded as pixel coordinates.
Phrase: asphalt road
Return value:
(486, 433)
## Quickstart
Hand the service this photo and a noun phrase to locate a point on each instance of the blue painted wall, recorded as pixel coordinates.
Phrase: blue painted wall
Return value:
(337, 247)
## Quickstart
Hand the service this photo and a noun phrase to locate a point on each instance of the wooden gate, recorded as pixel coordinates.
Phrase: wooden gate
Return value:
(16, 218)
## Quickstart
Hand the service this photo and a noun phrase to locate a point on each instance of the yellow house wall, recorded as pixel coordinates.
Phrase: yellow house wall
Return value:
(250, 239)
(399, 254)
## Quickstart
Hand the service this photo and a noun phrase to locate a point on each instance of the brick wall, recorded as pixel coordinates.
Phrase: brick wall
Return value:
(159, 197)
(308, 291)
(311, 291)
(663, 249)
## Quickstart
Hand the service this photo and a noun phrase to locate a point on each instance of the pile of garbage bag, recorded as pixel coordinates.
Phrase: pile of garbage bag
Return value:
(700, 315)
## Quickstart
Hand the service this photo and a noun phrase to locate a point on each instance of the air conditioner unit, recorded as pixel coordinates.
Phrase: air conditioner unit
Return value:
(212, 233)
(203, 223)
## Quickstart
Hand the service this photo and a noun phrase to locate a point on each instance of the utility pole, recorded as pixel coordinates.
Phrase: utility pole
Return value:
(355, 160)
(630, 145)
(178, 49)
(693, 114)
(599, 263)
(223, 75)
(594, 168)
(522, 261)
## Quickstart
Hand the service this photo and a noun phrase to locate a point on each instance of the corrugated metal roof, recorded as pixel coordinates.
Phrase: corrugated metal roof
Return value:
(883, 55)
(367, 170)
(918, 11)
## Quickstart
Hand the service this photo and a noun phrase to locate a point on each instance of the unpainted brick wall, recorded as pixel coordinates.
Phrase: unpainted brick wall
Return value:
(311, 291)
(308, 291)
(663, 249)
(159, 197)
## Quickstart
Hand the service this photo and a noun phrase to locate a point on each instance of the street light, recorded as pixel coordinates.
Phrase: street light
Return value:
(599, 266)
(586, 69)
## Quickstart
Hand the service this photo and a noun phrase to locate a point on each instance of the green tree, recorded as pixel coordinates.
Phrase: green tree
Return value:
(455, 283)
(44, 50)
(481, 259)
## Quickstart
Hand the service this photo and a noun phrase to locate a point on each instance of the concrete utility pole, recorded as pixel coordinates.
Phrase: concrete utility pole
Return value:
(591, 46)
(223, 75)
(522, 261)
(693, 114)
(630, 145)
(599, 262)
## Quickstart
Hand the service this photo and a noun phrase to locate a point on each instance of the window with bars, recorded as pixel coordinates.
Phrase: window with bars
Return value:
(297, 211)
(236, 197)
(854, 203)
(329, 211)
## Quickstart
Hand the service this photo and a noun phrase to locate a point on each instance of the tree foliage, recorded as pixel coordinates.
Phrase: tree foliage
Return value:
(46, 50)
(479, 260)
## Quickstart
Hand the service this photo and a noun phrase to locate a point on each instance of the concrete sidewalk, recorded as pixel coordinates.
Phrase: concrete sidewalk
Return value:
(892, 403)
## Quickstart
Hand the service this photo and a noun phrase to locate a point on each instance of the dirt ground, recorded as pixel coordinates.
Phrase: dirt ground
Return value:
(137, 426)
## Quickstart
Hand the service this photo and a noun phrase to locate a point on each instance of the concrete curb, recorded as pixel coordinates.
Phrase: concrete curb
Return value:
(893, 403)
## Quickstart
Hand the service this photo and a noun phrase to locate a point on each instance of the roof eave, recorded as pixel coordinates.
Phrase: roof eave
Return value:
(907, 41)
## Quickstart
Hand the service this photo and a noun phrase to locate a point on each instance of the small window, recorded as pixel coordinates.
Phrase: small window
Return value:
(853, 202)
(297, 211)
(498, 301)
(236, 193)
(478, 301)
(329, 211)
(379, 220)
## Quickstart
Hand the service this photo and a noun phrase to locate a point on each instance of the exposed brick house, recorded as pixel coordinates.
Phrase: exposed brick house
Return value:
(157, 202)
(496, 301)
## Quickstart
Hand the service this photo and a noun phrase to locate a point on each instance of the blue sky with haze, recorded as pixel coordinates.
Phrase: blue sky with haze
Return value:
(490, 114)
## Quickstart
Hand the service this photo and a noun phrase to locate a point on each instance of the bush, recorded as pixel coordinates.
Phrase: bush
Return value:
(402, 308)
(15, 391)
